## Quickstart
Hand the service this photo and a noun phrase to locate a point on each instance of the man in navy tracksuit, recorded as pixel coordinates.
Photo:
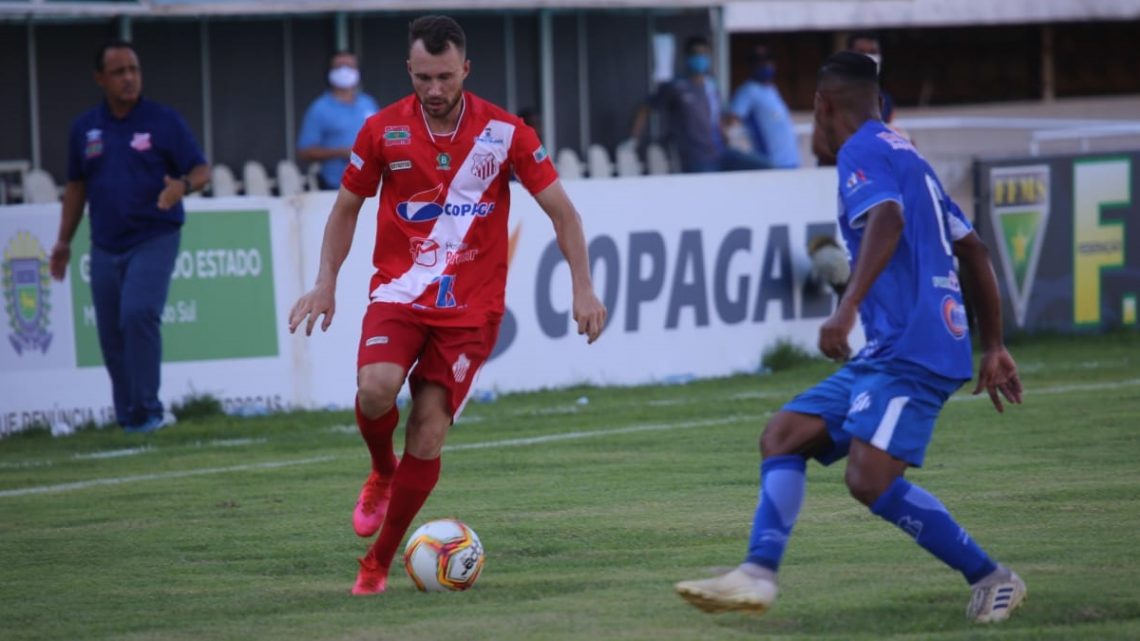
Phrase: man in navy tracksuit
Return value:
(132, 161)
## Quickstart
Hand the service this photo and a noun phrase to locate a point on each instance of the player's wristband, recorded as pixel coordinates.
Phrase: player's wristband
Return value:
(186, 183)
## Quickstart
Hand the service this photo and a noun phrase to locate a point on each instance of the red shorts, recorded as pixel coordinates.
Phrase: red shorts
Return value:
(447, 356)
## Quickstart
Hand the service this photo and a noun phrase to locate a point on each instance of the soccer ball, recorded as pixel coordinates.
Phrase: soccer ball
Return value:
(443, 555)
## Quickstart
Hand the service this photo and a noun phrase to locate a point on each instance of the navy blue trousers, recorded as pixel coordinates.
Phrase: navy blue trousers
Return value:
(129, 290)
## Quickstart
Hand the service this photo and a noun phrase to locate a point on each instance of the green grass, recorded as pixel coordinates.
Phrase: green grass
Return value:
(584, 536)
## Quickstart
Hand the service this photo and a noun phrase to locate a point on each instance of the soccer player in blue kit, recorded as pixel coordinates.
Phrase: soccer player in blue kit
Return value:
(903, 233)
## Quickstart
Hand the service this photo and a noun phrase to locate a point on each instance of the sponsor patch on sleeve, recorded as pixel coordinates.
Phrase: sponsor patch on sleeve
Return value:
(356, 161)
(540, 153)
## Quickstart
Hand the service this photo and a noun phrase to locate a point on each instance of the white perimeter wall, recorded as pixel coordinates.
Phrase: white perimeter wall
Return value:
(700, 274)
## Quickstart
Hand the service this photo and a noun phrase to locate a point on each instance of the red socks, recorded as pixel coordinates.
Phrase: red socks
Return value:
(377, 433)
(414, 481)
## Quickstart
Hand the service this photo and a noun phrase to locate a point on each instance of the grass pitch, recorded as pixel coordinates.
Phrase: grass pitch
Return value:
(229, 528)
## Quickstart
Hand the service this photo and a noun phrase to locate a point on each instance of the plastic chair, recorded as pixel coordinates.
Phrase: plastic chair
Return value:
(599, 162)
(255, 178)
(628, 164)
(39, 187)
(289, 180)
(568, 165)
(657, 160)
(222, 182)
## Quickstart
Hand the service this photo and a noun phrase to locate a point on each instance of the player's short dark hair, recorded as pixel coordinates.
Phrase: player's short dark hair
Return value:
(107, 45)
(862, 35)
(437, 32)
(696, 41)
(850, 67)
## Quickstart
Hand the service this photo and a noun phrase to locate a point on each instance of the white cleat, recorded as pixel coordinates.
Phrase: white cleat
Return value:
(995, 597)
(736, 591)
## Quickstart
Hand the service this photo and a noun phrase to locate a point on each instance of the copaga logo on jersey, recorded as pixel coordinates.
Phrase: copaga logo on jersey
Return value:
(27, 287)
(425, 207)
(954, 317)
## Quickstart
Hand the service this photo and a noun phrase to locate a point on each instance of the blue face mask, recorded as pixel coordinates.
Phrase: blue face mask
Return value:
(765, 74)
(699, 63)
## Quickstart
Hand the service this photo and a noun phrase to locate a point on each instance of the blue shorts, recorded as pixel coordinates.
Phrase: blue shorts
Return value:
(891, 406)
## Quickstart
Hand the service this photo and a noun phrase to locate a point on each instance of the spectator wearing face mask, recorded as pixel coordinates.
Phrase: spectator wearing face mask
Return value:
(759, 106)
(692, 109)
(868, 44)
(333, 120)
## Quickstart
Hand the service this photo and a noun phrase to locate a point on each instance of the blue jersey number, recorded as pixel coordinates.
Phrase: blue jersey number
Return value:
(936, 198)
(446, 296)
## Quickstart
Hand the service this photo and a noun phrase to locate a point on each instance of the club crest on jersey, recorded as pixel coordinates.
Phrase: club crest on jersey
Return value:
(489, 137)
(954, 317)
(425, 251)
(94, 143)
(141, 141)
(422, 207)
(484, 165)
(443, 162)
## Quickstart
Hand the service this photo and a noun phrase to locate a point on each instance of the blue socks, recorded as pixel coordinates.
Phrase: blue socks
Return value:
(782, 485)
(922, 516)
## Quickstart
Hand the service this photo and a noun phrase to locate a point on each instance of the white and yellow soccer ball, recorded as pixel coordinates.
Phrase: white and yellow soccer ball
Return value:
(443, 555)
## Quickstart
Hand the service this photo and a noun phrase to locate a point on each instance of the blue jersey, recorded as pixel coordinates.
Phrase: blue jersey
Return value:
(913, 313)
(123, 163)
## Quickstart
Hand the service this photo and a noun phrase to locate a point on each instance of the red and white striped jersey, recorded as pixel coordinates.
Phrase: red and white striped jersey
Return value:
(441, 229)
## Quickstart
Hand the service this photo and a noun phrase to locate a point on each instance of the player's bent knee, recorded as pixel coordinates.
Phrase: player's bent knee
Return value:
(377, 388)
(787, 433)
(864, 486)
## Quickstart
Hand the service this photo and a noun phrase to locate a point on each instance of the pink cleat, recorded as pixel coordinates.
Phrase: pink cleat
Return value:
(372, 579)
(372, 505)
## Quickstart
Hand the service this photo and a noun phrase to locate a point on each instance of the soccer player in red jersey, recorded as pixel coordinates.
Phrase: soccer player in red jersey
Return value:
(445, 159)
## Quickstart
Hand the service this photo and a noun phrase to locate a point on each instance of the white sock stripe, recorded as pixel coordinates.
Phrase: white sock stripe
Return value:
(886, 429)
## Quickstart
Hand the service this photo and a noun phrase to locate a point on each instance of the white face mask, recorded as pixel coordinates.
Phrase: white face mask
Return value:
(878, 58)
(344, 77)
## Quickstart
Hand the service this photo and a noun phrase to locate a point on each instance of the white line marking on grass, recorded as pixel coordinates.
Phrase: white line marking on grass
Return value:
(514, 442)
(82, 485)
(22, 465)
(232, 442)
(112, 453)
(573, 436)
(1059, 389)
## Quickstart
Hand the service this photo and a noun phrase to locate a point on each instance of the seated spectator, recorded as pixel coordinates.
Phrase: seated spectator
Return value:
(759, 106)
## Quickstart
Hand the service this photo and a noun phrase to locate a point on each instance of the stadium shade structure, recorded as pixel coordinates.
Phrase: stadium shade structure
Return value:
(741, 15)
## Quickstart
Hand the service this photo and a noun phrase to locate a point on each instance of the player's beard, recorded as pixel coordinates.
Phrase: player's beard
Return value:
(444, 108)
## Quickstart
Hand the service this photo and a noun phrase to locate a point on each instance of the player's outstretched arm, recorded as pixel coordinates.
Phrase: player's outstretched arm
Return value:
(884, 227)
(321, 299)
(998, 371)
(588, 310)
